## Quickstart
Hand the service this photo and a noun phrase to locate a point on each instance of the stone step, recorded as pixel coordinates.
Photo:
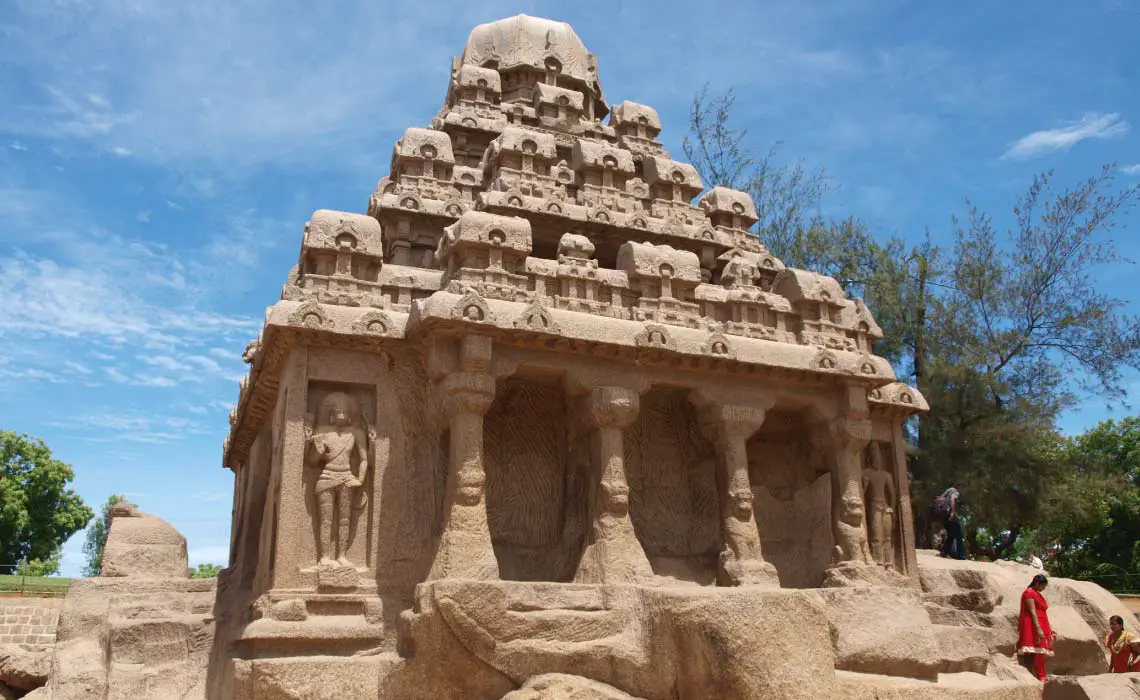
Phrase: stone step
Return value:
(964, 649)
(949, 686)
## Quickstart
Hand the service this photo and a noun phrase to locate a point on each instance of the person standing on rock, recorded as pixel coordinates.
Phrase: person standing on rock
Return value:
(1123, 648)
(1035, 636)
(946, 507)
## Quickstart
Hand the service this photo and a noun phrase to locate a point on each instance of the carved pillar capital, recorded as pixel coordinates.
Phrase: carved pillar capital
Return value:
(851, 432)
(612, 407)
(466, 392)
(723, 422)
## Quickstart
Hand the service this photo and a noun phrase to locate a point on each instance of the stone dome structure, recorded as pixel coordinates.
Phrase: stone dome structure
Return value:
(539, 45)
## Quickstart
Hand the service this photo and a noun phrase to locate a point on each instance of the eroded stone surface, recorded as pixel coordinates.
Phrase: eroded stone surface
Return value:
(142, 546)
(24, 668)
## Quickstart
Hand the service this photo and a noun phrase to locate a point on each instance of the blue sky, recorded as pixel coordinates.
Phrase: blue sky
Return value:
(158, 161)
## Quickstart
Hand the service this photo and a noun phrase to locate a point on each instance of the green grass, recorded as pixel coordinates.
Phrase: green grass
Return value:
(34, 584)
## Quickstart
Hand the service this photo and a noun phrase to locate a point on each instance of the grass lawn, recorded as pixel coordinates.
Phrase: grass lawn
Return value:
(34, 584)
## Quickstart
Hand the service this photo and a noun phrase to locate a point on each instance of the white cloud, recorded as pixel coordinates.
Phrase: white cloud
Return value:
(143, 216)
(1131, 169)
(17, 146)
(109, 425)
(1091, 126)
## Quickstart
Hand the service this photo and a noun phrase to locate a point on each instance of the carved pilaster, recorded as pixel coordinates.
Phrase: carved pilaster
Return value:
(741, 560)
(465, 549)
(850, 433)
(613, 553)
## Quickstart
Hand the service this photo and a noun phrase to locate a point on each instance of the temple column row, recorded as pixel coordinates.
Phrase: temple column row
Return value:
(613, 553)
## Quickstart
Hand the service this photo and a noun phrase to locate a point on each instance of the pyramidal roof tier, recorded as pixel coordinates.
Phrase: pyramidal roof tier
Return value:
(522, 215)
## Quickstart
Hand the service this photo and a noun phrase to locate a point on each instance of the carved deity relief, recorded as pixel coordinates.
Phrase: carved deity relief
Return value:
(741, 560)
(338, 445)
(879, 487)
(850, 537)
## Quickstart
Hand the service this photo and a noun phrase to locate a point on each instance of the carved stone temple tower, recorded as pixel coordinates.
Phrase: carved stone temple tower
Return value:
(549, 408)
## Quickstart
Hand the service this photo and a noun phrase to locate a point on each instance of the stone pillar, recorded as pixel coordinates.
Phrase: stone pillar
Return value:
(908, 563)
(294, 544)
(465, 549)
(741, 560)
(851, 433)
(613, 553)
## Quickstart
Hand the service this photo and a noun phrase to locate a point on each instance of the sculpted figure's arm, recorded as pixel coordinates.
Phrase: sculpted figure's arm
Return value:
(889, 489)
(361, 441)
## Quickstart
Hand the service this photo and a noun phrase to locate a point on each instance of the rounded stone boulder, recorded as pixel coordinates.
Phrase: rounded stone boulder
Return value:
(143, 546)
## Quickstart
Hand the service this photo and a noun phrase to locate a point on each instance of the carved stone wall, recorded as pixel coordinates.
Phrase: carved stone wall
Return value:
(672, 481)
(525, 451)
(790, 476)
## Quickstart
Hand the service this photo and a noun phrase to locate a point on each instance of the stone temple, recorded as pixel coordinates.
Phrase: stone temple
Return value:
(548, 422)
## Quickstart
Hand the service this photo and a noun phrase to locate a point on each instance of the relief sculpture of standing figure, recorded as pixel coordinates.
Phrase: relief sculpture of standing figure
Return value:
(340, 435)
(879, 487)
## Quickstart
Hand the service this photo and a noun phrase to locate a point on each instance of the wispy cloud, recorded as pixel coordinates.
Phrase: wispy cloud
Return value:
(1091, 126)
(234, 84)
(1131, 169)
(111, 425)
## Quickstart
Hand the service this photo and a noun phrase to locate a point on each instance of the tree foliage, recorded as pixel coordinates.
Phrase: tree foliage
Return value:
(97, 537)
(1091, 524)
(206, 571)
(1000, 327)
(38, 512)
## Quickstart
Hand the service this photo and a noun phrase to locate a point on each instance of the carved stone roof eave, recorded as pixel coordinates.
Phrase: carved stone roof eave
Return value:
(441, 312)
(897, 399)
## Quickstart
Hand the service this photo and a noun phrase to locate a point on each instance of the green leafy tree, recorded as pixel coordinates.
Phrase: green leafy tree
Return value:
(40, 567)
(206, 571)
(1091, 526)
(97, 537)
(38, 512)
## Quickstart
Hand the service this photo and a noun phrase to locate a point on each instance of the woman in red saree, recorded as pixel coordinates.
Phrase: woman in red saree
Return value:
(1123, 648)
(1034, 635)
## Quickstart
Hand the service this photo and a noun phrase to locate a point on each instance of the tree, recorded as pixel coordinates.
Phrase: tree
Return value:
(1020, 327)
(206, 571)
(1091, 524)
(38, 567)
(97, 537)
(38, 512)
(784, 195)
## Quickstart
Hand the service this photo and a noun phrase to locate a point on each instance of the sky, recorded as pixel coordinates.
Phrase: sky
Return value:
(158, 162)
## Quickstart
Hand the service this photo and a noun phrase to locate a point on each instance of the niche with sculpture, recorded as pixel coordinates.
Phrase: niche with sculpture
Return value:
(880, 497)
(339, 456)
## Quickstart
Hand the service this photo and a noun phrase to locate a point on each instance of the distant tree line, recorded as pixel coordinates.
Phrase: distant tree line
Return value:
(1002, 328)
